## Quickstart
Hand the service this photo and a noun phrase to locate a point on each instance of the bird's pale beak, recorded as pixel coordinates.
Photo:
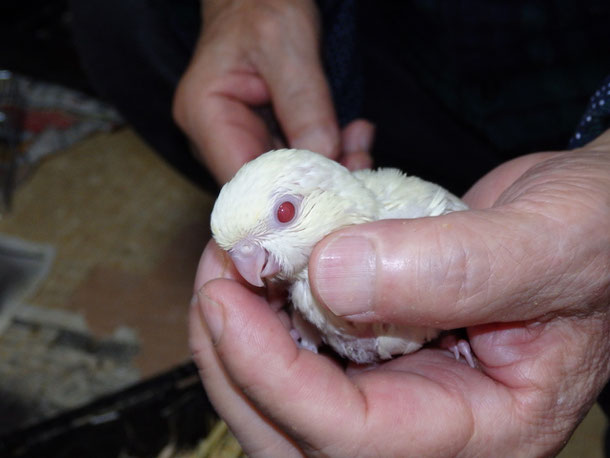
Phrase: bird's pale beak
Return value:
(253, 262)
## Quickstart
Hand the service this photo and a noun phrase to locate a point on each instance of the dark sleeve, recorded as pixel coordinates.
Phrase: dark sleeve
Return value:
(341, 57)
(596, 118)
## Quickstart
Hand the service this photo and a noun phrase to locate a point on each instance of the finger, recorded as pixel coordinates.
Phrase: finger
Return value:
(255, 433)
(300, 94)
(450, 271)
(262, 357)
(214, 263)
(230, 135)
(212, 106)
(304, 109)
(310, 397)
(356, 140)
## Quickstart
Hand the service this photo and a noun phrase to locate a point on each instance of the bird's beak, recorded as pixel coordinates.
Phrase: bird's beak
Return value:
(253, 262)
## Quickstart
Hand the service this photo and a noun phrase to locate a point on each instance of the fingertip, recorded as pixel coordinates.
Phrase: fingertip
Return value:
(303, 106)
(214, 263)
(322, 139)
(357, 161)
(245, 322)
(356, 141)
(358, 136)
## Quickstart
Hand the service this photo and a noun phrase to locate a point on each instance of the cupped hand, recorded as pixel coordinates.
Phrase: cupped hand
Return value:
(257, 62)
(526, 271)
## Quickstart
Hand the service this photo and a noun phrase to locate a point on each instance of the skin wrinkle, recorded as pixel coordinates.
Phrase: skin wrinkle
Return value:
(559, 423)
(463, 294)
(535, 422)
(487, 278)
(565, 380)
(432, 277)
(536, 183)
(559, 262)
(484, 273)
(574, 270)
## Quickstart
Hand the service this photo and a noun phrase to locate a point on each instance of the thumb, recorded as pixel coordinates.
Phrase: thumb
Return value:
(450, 271)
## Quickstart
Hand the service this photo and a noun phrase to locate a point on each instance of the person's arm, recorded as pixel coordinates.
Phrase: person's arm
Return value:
(252, 57)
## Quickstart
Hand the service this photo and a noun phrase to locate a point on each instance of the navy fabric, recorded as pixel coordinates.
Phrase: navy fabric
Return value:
(341, 59)
(596, 118)
(518, 71)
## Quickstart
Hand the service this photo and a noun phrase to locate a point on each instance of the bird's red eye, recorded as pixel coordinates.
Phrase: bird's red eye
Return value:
(285, 212)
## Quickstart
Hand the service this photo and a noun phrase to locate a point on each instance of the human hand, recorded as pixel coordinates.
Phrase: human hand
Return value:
(526, 271)
(252, 55)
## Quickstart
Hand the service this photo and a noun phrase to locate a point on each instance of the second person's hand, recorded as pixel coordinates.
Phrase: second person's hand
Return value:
(252, 56)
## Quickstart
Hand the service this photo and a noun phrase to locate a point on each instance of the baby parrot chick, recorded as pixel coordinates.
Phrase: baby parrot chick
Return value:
(280, 205)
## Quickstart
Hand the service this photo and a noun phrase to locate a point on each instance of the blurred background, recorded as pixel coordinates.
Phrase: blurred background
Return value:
(99, 242)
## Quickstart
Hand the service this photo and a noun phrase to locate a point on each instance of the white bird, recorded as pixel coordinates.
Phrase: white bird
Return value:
(277, 207)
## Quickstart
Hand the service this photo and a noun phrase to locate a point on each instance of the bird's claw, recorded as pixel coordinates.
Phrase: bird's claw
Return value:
(462, 347)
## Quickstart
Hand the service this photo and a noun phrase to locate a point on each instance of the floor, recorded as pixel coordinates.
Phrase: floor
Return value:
(128, 232)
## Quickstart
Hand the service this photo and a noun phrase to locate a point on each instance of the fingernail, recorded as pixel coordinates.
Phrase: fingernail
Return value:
(364, 141)
(213, 314)
(345, 275)
(358, 137)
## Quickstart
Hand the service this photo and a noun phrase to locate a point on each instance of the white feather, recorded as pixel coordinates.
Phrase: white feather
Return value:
(329, 197)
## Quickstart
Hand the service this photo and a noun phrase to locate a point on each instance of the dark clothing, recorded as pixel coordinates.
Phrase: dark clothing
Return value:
(451, 85)
(134, 52)
(596, 118)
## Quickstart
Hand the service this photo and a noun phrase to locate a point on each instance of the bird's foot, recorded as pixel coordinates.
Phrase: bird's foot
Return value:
(460, 347)
(304, 334)
(303, 343)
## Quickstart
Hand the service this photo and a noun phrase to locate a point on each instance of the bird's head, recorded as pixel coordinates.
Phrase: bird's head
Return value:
(278, 206)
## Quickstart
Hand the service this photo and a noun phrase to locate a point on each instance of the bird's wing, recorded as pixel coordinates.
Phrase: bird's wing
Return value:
(402, 196)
